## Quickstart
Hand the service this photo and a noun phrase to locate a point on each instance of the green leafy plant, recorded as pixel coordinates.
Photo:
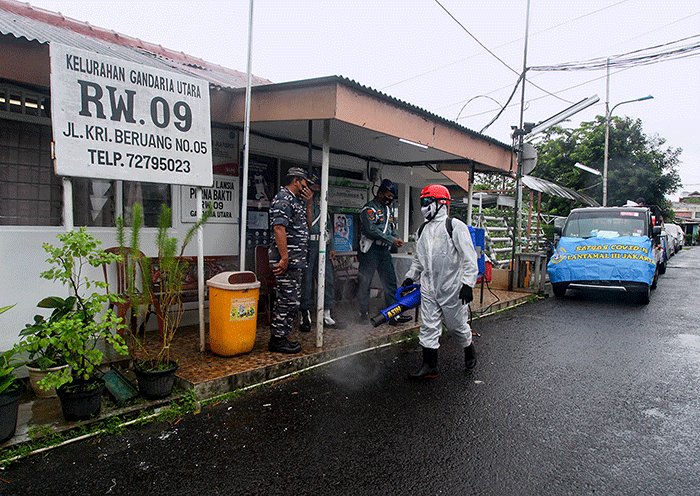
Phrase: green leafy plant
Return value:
(8, 364)
(39, 339)
(183, 405)
(169, 277)
(76, 330)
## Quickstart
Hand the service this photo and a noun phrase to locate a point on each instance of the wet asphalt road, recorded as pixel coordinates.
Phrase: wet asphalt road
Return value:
(582, 395)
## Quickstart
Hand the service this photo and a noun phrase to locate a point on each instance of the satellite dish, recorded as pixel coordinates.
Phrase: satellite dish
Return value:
(529, 158)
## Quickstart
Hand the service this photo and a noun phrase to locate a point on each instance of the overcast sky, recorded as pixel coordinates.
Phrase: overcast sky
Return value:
(415, 51)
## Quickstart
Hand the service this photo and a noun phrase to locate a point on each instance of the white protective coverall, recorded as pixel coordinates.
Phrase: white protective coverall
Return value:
(441, 265)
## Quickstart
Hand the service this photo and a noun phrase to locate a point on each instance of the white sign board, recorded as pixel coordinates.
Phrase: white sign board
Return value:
(223, 197)
(116, 119)
(345, 196)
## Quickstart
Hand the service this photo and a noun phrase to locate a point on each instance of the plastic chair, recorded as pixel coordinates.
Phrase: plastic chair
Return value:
(268, 282)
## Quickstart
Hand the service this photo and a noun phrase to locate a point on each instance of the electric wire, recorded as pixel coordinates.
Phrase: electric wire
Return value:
(493, 54)
(568, 88)
(416, 76)
(676, 57)
(622, 66)
(657, 29)
(630, 59)
(515, 88)
(543, 72)
(474, 37)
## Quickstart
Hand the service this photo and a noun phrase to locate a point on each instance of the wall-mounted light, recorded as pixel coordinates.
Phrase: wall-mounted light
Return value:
(419, 145)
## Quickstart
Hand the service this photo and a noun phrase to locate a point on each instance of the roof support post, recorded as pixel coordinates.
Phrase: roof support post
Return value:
(68, 204)
(322, 224)
(470, 196)
(200, 268)
(310, 150)
(246, 144)
(405, 206)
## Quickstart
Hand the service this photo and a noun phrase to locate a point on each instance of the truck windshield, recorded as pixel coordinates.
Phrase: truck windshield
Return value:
(603, 224)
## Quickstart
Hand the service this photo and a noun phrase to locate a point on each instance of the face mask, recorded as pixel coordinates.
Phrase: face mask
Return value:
(388, 201)
(429, 210)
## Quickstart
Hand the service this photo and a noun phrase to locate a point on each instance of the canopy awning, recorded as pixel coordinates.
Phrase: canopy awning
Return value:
(365, 123)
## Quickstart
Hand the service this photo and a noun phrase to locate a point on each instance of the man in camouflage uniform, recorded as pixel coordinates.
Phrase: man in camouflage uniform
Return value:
(310, 275)
(379, 235)
(288, 252)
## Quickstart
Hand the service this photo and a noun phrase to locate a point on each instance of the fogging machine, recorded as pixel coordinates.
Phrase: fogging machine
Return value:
(407, 297)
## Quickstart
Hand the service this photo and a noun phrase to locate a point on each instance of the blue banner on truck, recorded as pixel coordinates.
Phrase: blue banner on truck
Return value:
(624, 258)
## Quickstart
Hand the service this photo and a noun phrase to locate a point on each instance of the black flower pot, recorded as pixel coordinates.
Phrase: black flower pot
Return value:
(9, 406)
(155, 384)
(81, 400)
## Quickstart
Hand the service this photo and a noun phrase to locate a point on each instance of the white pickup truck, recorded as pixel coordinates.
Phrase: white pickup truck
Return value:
(607, 248)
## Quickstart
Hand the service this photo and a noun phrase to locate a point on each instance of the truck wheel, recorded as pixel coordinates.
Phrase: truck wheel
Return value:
(559, 289)
(643, 297)
(655, 280)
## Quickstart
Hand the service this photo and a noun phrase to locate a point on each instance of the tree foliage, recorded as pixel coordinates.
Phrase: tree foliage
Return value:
(493, 182)
(638, 166)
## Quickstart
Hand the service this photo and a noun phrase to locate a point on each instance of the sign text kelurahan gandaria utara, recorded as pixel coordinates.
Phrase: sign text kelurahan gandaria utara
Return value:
(116, 119)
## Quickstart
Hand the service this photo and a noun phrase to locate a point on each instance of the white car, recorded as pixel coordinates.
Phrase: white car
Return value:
(677, 235)
(668, 241)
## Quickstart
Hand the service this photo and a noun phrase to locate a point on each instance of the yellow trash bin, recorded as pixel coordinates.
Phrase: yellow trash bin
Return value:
(233, 312)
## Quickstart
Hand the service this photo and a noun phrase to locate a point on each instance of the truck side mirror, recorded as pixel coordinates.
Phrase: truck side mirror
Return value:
(656, 231)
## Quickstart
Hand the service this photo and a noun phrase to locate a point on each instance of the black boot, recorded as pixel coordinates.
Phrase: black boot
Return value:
(429, 368)
(470, 357)
(283, 345)
(305, 325)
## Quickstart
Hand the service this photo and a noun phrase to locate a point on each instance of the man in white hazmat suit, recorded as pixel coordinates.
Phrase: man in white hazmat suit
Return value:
(445, 266)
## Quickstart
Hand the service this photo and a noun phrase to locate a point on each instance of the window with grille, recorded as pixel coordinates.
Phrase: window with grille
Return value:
(32, 195)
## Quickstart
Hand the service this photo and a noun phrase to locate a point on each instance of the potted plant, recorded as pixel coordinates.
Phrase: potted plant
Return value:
(38, 341)
(76, 333)
(153, 366)
(10, 391)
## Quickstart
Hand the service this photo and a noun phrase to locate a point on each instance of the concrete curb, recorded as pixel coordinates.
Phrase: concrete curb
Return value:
(220, 387)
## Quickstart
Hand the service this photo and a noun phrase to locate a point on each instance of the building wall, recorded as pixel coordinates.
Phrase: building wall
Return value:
(22, 258)
(686, 210)
(31, 194)
(687, 216)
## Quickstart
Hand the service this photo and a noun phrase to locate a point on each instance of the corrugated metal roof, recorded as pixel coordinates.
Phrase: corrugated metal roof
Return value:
(21, 20)
(383, 96)
(403, 103)
(539, 184)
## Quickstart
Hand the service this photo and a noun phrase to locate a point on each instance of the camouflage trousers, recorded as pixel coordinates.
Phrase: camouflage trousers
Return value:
(286, 306)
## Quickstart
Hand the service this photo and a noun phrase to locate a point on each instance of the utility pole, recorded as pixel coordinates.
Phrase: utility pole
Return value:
(607, 133)
(519, 135)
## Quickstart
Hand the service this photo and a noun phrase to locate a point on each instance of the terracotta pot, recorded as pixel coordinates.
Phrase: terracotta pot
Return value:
(36, 374)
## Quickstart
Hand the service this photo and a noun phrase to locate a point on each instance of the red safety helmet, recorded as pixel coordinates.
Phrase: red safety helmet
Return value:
(437, 191)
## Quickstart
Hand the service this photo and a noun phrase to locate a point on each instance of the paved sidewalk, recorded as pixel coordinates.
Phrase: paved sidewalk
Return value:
(211, 375)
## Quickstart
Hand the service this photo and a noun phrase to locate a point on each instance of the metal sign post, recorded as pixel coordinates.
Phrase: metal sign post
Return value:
(119, 120)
